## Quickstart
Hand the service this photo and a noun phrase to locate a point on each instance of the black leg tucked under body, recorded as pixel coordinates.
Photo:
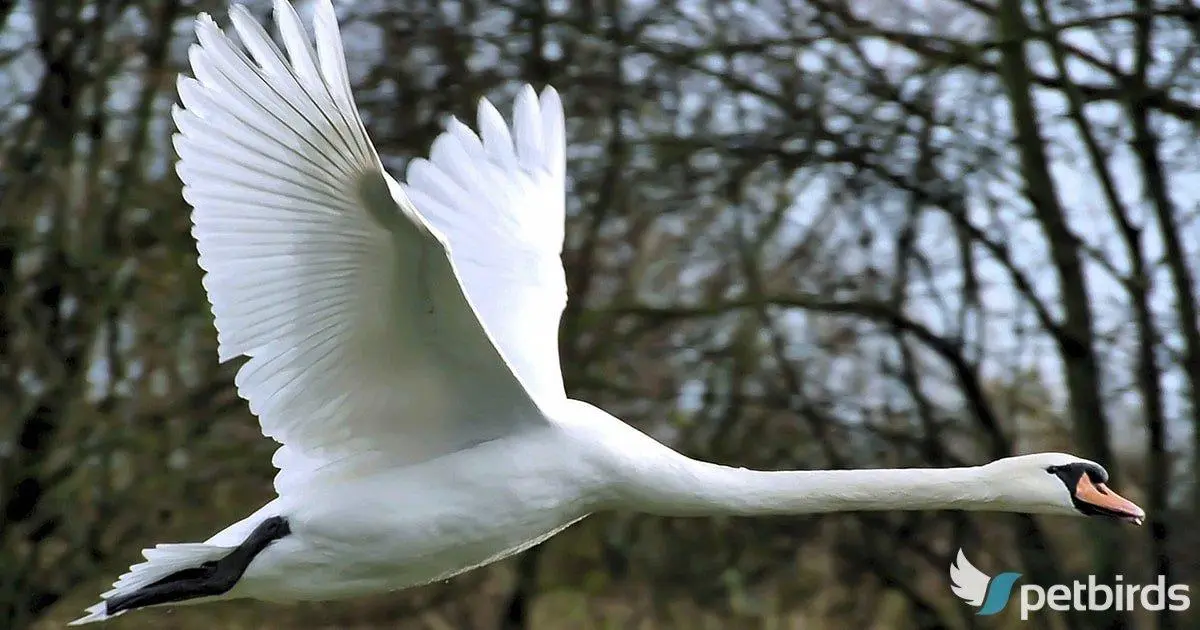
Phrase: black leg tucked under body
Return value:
(211, 578)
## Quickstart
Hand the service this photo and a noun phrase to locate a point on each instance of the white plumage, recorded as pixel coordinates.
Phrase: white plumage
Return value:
(402, 344)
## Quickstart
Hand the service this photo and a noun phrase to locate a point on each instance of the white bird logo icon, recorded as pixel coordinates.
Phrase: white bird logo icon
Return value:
(990, 595)
(968, 582)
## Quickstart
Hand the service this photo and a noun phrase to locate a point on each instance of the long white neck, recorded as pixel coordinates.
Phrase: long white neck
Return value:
(679, 486)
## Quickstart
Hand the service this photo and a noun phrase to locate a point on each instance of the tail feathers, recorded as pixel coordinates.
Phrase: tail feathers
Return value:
(95, 613)
(161, 561)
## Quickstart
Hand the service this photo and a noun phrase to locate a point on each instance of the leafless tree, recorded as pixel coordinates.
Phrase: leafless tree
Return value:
(801, 233)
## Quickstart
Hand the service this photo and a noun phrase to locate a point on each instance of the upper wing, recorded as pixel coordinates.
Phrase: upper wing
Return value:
(967, 582)
(363, 349)
(499, 202)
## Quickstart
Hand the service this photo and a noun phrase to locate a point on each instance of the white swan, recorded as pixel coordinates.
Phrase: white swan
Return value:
(402, 349)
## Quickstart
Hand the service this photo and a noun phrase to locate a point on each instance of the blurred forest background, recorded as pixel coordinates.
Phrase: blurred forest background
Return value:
(801, 234)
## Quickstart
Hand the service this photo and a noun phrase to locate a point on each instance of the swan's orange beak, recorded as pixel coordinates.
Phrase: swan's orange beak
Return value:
(1108, 502)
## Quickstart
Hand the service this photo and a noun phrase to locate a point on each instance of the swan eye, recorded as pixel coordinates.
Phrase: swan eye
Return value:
(1070, 473)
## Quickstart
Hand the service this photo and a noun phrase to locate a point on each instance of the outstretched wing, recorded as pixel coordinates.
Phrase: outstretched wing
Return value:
(969, 583)
(498, 199)
(363, 349)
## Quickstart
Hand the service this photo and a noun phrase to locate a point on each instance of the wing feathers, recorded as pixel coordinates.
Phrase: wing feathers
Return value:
(448, 149)
(498, 199)
(553, 134)
(496, 140)
(299, 50)
(527, 129)
(343, 298)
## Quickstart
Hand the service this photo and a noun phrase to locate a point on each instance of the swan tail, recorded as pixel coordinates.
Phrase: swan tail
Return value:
(178, 573)
(162, 562)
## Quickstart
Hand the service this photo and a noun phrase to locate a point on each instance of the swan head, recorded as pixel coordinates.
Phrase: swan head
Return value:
(1057, 483)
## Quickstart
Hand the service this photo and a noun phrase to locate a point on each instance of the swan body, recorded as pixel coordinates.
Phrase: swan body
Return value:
(383, 533)
(402, 348)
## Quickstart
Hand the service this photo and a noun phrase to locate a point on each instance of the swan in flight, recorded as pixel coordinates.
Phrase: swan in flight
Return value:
(402, 348)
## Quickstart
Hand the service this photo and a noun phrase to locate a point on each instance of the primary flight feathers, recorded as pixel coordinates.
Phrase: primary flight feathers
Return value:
(336, 281)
